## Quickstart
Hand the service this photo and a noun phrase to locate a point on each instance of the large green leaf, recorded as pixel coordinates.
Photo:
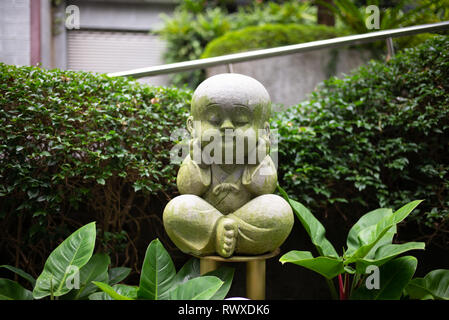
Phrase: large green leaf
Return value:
(225, 274)
(158, 273)
(21, 273)
(416, 289)
(405, 210)
(369, 236)
(100, 296)
(124, 291)
(435, 285)
(387, 252)
(201, 288)
(111, 291)
(437, 282)
(368, 220)
(11, 290)
(95, 270)
(312, 226)
(328, 267)
(386, 239)
(65, 261)
(190, 270)
(118, 274)
(394, 277)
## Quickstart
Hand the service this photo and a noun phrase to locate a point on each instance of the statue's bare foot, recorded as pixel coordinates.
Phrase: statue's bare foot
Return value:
(226, 239)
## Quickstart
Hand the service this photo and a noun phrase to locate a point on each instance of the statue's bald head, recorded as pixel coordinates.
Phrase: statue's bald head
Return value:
(232, 90)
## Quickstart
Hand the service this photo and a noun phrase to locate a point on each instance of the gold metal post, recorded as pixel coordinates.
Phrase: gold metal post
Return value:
(207, 265)
(255, 279)
(255, 270)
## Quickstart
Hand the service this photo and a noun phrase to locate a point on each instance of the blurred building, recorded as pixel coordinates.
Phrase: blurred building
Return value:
(91, 35)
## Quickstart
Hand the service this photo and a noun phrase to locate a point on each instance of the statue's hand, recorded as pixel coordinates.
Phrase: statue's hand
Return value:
(193, 179)
(261, 178)
(225, 187)
(261, 150)
(195, 153)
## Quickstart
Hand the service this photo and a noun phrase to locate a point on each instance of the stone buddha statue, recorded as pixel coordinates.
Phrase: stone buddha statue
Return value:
(226, 182)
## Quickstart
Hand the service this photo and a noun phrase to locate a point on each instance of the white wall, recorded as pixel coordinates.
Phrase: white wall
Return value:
(15, 32)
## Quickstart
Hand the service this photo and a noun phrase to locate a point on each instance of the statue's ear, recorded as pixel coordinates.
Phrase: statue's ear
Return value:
(190, 125)
(266, 127)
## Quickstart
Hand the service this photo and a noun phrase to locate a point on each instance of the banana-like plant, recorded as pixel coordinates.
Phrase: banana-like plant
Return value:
(354, 17)
(369, 247)
(72, 271)
(159, 280)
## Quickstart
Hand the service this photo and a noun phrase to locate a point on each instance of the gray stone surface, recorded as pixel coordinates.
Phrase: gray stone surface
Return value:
(289, 79)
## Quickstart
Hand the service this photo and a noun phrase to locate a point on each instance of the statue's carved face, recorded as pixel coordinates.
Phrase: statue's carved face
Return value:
(230, 118)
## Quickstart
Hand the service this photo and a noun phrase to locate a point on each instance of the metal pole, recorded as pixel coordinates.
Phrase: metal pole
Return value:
(390, 49)
(255, 279)
(207, 265)
(279, 51)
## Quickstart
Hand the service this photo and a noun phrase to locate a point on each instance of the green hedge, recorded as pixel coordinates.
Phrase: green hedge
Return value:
(378, 137)
(267, 36)
(77, 147)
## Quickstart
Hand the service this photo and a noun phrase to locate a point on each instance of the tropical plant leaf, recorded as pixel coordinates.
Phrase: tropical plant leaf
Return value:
(386, 239)
(328, 267)
(158, 273)
(95, 270)
(190, 270)
(394, 277)
(368, 237)
(348, 12)
(11, 290)
(21, 273)
(110, 291)
(368, 220)
(225, 274)
(65, 261)
(435, 285)
(100, 296)
(405, 210)
(416, 289)
(118, 274)
(201, 288)
(122, 289)
(126, 290)
(312, 226)
(387, 252)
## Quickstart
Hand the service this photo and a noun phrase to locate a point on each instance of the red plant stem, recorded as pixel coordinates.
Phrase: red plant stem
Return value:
(341, 288)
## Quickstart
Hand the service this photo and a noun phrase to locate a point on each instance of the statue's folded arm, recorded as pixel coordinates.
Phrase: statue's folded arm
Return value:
(192, 179)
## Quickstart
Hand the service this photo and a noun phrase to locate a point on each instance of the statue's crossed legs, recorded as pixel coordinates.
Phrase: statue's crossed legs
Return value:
(197, 228)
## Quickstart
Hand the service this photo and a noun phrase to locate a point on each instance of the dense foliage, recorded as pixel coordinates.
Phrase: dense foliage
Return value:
(376, 138)
(76, 146)
(267, 36)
